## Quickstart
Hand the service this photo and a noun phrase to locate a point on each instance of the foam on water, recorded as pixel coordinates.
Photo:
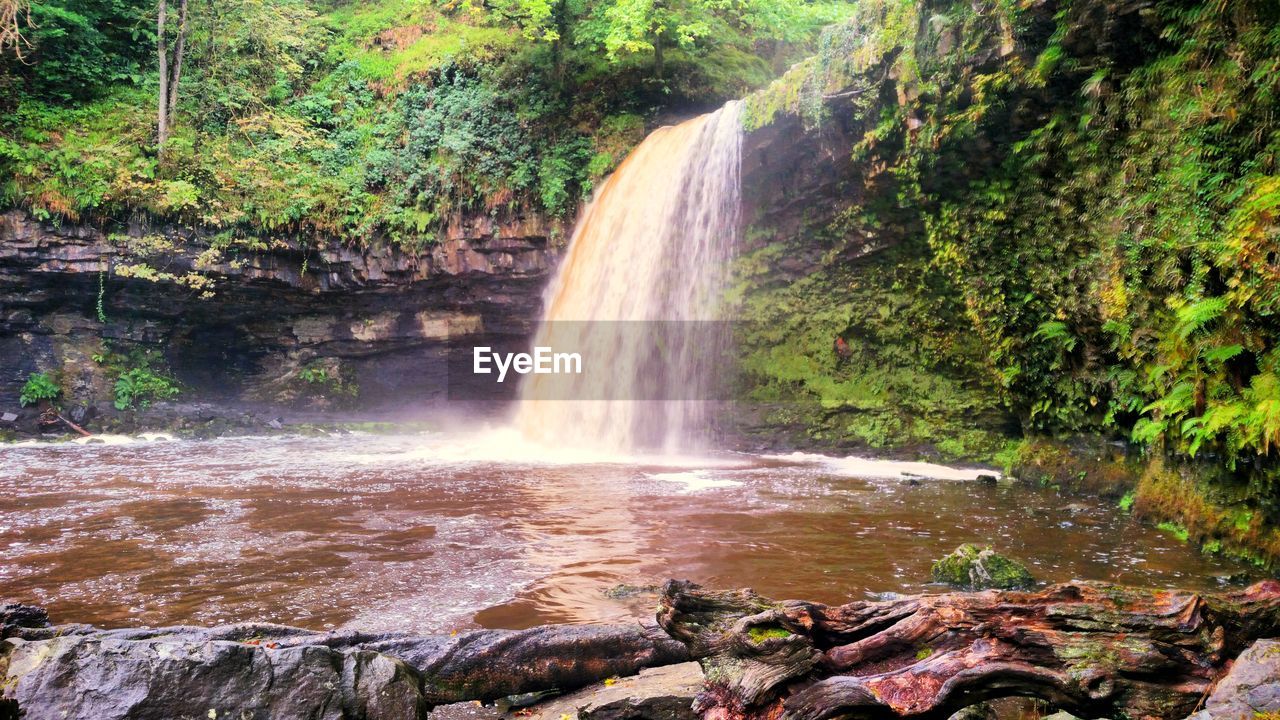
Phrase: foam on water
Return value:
(509, 446)
(865, 467)
(695, 480)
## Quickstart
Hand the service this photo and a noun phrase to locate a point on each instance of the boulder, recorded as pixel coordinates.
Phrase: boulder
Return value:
(259, 670)
(1250, 689)
(111, 675)
(974, 568)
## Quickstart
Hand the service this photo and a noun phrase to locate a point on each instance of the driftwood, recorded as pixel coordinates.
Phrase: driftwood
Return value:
(1094, 650)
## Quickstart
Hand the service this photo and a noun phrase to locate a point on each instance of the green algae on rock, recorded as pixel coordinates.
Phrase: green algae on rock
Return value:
(974, 568)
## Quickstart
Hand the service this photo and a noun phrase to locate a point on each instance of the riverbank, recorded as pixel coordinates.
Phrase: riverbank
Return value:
(1221, 511)
(1097, 649)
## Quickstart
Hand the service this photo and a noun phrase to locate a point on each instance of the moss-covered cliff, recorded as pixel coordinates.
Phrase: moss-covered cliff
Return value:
(1083, 195)
(1058, 218)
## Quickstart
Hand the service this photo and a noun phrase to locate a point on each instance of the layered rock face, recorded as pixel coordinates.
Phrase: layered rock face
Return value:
(796, 179)
(373, 325)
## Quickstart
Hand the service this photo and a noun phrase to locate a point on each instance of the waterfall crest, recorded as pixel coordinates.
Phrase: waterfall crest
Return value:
(649, 254)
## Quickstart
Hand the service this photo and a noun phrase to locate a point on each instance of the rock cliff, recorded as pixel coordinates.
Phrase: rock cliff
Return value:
(314, 324)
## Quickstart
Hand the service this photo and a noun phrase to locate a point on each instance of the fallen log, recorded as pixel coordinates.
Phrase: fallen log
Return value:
(1094, 650)
(281, 672)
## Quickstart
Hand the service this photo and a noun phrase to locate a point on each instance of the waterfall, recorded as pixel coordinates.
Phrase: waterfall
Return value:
(638, 295)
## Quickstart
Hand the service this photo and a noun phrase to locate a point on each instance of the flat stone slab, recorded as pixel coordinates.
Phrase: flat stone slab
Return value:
(115, 677)
(258, 671)
(1251, 688)
(661, 693)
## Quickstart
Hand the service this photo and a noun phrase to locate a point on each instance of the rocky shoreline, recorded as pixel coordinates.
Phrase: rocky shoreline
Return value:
(756, 659)
(273, 671)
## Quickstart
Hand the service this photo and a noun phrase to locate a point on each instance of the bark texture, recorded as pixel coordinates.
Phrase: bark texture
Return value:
(1094, 650)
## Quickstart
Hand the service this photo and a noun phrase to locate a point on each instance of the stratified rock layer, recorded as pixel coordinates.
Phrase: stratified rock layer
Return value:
(382, 318)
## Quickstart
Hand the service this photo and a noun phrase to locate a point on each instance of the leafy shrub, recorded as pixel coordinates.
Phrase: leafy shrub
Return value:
(82, 47)
(138, 387)
(355, 120)
(464, 146)
(329, 383)
(39, 386)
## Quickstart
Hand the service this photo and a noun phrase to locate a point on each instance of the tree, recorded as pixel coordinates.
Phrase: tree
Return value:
(169, 77)
(245, 57)
(624, 27)
(550, 21)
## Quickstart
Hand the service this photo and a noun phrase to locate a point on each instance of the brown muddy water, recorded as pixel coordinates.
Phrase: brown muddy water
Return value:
(432, 533)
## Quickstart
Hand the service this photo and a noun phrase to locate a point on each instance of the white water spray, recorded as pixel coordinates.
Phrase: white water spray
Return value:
(654, 245)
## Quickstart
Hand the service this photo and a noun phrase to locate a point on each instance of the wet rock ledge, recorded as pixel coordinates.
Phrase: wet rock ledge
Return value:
(1090, 649)
(245, 324)
(276, 672)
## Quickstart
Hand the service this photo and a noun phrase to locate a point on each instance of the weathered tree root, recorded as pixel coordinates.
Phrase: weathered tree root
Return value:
(1094, 650)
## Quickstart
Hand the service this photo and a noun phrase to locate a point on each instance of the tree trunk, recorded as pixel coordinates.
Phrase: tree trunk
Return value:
(1094, 650)
(169, 77)
(557, 46)
(162, 112)
(176, 76)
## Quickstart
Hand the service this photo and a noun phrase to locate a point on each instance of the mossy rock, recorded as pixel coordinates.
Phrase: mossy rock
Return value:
(974, 568)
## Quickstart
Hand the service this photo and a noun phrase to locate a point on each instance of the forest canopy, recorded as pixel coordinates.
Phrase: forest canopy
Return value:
(358, 120)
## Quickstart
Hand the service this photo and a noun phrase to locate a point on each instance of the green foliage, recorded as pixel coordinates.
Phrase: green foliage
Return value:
(1108, 219)
(247, 57)
(140, 376)
(465, 149)
(100, 305)
(618, 29)
(1174, 529)
(847, 54)
(83, 47)
(38, 387)
(360, 121)
(908, 378)
(1126, 502)
(138, 387)
(330, 382)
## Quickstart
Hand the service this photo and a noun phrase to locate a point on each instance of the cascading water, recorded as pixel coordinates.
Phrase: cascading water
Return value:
(639, 296)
